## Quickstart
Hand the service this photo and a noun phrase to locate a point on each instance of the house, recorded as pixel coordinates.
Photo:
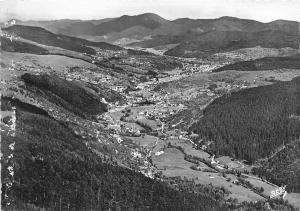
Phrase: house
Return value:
(204, 147)
(236, 182)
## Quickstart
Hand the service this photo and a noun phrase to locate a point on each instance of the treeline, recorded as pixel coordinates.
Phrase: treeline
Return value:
(267, 63)
(252, 123)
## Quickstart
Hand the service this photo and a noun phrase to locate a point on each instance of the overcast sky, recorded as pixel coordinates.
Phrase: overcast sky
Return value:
(262, 10)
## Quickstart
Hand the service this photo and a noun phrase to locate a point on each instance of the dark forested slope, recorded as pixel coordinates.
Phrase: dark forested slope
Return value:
(21, 47)
(261, 122)
(221, 41)
(252, 123)
(283, 168)
(54, 169)
(267, 63)
(68, 94)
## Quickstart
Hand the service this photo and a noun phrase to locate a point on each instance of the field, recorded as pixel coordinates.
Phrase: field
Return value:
(172, 164)
(116, 117)
(188, 148)
(148, 140)
(234, 164)
(258, 183)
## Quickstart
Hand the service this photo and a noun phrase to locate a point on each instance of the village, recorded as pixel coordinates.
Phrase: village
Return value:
(140, 121)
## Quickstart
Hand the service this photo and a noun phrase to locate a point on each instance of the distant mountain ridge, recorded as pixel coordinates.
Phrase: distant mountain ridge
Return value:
(42, 36)
(98, 27)
(161, 26)
(222, 41)
(193, 36)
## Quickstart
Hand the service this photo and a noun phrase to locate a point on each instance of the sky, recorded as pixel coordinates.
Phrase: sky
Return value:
(261, 10)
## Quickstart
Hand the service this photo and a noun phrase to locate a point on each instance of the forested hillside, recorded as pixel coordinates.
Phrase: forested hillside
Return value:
(283, 168)
(54, 169)
(267, 63)
(252, 123)
(68, 94)
(21, 47)
(222, 41)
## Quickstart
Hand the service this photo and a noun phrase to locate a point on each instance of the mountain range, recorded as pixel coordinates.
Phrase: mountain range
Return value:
(193, 37)
(42, 36)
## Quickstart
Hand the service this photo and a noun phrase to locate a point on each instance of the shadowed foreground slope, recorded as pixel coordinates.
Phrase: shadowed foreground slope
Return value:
(70, 95)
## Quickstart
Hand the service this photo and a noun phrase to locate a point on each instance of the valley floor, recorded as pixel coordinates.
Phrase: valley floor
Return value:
(168, 147)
